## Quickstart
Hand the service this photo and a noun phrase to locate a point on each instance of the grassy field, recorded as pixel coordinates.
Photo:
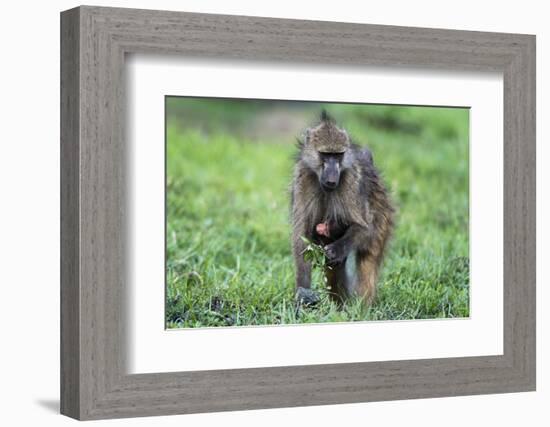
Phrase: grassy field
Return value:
(228, 236)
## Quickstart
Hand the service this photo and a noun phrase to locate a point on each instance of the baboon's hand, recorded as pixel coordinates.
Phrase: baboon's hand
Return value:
(335, 253)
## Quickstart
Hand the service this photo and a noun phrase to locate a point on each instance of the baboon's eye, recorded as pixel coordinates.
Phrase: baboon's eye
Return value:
(327, 156)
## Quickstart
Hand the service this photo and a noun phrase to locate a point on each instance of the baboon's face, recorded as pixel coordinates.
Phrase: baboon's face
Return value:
(326, 151)
(331, 167)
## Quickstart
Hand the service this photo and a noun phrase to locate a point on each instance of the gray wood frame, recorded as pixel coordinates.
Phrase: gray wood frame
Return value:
(94, 41)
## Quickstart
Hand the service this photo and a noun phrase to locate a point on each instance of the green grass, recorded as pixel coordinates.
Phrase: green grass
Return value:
(228, 236)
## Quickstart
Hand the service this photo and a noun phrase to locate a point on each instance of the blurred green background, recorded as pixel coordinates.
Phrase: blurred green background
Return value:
(229, 168)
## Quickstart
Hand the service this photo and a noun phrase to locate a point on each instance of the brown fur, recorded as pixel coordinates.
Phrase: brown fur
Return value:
(359, 213)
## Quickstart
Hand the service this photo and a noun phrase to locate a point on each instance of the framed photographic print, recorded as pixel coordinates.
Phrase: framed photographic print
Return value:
(263, 213)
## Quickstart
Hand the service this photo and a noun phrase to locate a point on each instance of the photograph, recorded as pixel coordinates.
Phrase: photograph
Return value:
(323, 207)
(284, 212)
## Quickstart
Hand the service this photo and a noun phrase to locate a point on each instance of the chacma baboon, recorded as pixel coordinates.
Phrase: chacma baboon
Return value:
(340, 203)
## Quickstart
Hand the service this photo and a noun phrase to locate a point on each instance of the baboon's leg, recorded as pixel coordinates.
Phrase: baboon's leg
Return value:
(367, 275)
(336, 283)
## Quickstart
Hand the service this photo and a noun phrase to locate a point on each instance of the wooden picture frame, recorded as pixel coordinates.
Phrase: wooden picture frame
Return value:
(94, 382)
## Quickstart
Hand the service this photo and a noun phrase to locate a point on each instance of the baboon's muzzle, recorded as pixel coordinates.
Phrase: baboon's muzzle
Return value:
(330, 177)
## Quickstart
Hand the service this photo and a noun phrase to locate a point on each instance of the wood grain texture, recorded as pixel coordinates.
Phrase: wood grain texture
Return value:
(70, 259)
(94, 382)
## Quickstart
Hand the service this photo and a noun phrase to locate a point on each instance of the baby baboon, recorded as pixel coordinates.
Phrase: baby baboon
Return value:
(339, 202)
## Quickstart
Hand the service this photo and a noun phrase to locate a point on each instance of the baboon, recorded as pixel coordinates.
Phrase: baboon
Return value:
(339, 202)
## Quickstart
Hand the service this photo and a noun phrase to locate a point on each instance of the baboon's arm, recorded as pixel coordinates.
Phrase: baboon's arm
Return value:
(355, 237)
(303, 273)
(303, 268)
(300, 229)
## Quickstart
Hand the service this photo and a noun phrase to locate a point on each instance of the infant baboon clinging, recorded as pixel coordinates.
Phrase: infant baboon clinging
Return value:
(339, 202)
